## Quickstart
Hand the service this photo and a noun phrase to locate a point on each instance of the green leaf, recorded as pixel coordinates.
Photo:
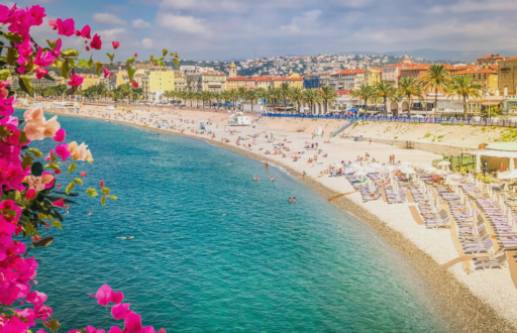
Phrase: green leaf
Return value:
(27, 161)
(131, 72)
(105, 190)
(53, 325)
(113, 197)
(35, 151)
(37, 169)
(65, 69)
(25, 84)
(4, 74)
(57, 224)
(70, 187)
(78, 181)
(103, 201)
(70, 53)
(91, 192)
(11, 55)
(72, 167)
(98, 67)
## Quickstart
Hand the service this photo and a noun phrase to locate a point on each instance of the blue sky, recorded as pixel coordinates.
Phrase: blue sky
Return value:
(232, 29)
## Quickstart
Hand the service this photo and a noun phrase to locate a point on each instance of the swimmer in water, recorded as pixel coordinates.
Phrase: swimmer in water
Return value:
(291, 200)
(272, 179)
(256, 178)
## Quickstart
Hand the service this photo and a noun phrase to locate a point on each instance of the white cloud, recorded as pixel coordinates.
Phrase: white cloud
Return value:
(353, 3)
(112, 34)
(188, 24)
(305, 23)
(107, 18)
(140, 24)
(473, 6)
(147, 43)
(206, 5)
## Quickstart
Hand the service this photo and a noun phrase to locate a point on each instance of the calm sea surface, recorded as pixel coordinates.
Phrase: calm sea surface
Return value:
(214, 251)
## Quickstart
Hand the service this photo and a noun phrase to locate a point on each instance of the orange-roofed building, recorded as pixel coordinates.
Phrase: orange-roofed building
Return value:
(391, 73)
(265, 82)
(348, 79)
(486, 76)
(489, 59)
(416, 71)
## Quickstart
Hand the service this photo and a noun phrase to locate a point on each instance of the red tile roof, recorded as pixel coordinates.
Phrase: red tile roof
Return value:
(350, 72)
(265, 78)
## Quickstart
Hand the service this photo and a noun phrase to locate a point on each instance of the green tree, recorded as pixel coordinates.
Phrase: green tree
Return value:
(410, 87)
(364, 92)
(312, 98)
(283, 93)
(436, 78)
(384, 90)
(297, 96)
(328, 96)
(465, 87)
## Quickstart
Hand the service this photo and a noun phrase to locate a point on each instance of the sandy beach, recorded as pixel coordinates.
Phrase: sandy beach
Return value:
(472, 300)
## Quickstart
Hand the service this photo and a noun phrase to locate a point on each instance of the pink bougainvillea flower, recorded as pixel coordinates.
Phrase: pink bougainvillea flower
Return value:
(134, 84)
(37, 14)
(132, 323)
(85, 32)
(56, 51)
(21, 69)
(115, 44)
(44, 58)
(115, 329)
(80, 152)
(117, 297)
(103, 295)
(64, 27)
(59, 203)
(75, 80)
(96, 42)
(41, 73)
(60, 135)
(120, 311)
(37, 298)
(51, 127)
(62, 151)
(30, 194)
(6, 106)
(83, 174)
(106, 72)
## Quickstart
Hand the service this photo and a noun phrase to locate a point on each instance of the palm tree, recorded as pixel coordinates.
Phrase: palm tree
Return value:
(328, 96)
(297, 96)
(384, 90)
(437, 77)
(409, 87)
(251, 97)
(283, 93)
(465, 87)
(364, 92)
(311, 97)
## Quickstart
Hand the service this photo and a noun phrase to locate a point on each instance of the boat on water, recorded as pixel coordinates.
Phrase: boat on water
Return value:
(239, 119)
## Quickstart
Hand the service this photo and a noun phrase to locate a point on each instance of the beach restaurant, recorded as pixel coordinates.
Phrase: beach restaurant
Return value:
(500, 157)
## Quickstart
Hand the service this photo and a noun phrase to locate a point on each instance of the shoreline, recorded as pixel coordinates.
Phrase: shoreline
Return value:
(459, 307)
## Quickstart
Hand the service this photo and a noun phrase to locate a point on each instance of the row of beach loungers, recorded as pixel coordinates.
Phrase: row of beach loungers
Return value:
(433, 218)
(471, 231)
(507, 238)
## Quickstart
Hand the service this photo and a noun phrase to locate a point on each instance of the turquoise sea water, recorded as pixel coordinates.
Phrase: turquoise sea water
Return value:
(216, 252)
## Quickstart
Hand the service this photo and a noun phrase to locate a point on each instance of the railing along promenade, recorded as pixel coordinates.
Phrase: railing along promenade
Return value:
(401, 119)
